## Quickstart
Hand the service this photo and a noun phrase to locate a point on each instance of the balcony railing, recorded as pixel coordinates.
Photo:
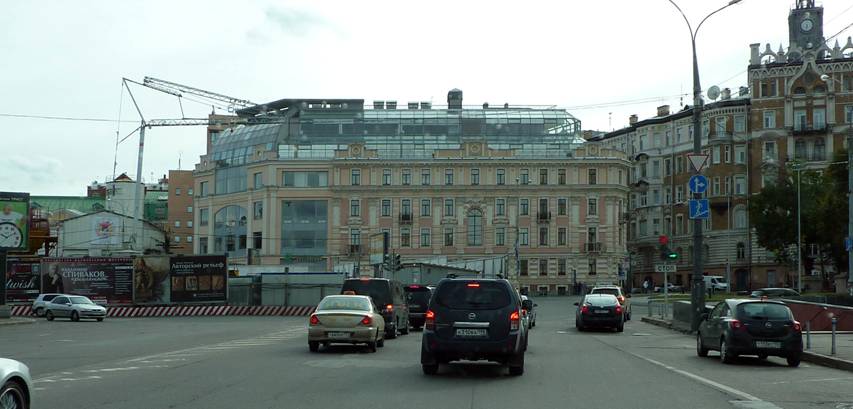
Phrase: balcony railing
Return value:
(815, 156)
(544, 217)
(406, 218)
(809, 129)
(594, 247)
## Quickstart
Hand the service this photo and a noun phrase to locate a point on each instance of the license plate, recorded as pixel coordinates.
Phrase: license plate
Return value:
(470, 332)
(338, 335)
(768, 344)
(602, 311)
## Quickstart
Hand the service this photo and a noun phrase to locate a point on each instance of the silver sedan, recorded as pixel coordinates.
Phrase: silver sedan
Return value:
(15, 385)
(347, 319)
(74, 307)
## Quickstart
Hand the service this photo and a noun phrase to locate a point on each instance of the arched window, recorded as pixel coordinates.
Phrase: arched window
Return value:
(741, 251)
(800, 149)
(475, 228)
(229, 231)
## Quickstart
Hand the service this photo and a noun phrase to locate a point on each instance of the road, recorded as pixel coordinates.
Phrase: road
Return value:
(263, 362)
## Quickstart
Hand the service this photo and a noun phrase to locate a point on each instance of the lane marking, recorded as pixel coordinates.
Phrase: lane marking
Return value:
(847, 378)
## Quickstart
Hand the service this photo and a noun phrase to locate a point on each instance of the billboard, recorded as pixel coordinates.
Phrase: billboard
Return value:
(199, 279)
(151, 284)
(14, 221)
(104, 280)
(22, 279)
(378, 248)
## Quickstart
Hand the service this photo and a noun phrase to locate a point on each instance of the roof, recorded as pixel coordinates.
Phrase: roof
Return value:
(288, 103)
(80, 204)
(111, 212)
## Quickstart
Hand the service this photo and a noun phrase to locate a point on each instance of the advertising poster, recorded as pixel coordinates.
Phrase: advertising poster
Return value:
(104, 280)
(151, 284)
(105, 229)
(22, 279)
(14, 220)
(199, 279)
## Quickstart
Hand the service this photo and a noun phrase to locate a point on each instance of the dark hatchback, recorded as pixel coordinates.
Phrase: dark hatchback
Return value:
(750, 327)
(417, 296)
(599, 310)
(474, 320)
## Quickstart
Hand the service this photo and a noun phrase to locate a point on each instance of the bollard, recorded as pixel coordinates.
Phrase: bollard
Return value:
(808, 335)
(834, 324)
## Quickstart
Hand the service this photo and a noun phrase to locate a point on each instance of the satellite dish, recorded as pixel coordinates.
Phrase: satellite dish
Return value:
(714, 92)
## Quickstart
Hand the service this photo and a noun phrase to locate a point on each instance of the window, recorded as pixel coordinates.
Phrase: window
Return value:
(592, 269)
(426, 175)
(561, 236)
(715, 186)
(768, 89)
(523, 207)
(679, 194)
(679, 224)
(716, 156)
(543, 176)
(189, 209)
(561, 266)
(769, 150)
(355, 177)
(769, 119)
(305, 179)
(819, 149)
(203, 216)
(543, 208)
(475, 177)
(740, 123)
(386, 177)
(727, 153)
(741, 251)
(848, 115)
(656, 226)
(407, 177)
(204, 189)
(258, 210)
(177, 223)
(561, 176)
(721, 125)
(740, 185)
(727, 186)
(189, 223)
(500, 236)
(448, 208)
(800, 120)
(177, 191)
(592, 176)
(500, 207)
(525, 177)
(543, 236)
(592, 206)
(592, 235)
(177, 239)
(523, 238)
(257, 240)
(386, 207)
(425, 238)
(679, 164)
(656, 197)
(448, 237)
(819, 118)
(448, 177)
(740, 217)
(258, 180)
(425, 207)
(522, 266)
(656, 169)
(354, 237)
(405, 237)
(667, 167)
(740, 154)
(561, 206)
(202, 245)
(667, 196)
(667, 225)
(501, 177)
(543, 266)
(406, 206)
(475, 228)
(355, 208)
(189, 239)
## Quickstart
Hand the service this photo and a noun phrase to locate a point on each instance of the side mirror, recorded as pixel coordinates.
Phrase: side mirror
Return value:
(577, 304)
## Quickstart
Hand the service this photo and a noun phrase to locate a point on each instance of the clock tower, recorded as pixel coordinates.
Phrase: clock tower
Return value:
(805, 26)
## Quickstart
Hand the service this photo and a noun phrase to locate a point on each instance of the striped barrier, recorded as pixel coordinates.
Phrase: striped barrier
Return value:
(192, 311)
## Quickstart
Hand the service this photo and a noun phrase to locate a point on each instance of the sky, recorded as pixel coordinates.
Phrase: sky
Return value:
(67, 59)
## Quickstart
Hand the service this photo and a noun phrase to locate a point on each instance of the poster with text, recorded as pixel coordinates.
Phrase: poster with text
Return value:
(199, 279)
(14, 220)
(151, 284)
(22, 279)
(104, 280)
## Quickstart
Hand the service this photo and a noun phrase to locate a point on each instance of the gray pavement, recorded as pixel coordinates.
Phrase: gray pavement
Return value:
(263, 362)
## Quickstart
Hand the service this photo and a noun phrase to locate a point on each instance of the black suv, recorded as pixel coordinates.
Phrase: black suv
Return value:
(389, 298)
(418, 298)
(474, 319)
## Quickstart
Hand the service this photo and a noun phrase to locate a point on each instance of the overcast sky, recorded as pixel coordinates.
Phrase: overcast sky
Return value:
(67, 59)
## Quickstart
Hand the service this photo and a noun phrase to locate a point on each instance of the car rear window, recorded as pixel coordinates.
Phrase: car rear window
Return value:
(418, 295)
(379, 290)
(49, 297)
(344, 303)
(601, 301)
(763, 311)
(466, 295)
(611, 291)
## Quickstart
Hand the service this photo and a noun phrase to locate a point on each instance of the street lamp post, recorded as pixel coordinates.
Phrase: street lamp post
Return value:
(698, 290)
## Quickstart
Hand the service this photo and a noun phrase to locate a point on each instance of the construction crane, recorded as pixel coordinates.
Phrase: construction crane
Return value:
(178, 90)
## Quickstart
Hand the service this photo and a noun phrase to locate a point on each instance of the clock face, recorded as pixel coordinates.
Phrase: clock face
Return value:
(10, 236)
(807, 25)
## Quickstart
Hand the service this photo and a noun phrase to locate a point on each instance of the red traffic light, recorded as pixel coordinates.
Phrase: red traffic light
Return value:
(663, 239)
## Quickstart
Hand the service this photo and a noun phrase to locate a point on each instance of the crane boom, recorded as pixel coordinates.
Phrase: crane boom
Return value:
(177, 90)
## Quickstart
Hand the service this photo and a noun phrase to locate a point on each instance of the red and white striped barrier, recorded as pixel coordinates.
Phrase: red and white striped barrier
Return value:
(192, 311)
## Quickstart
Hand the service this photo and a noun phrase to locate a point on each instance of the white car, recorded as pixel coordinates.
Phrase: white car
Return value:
(40, 303)
(74, 307)
(16, 385)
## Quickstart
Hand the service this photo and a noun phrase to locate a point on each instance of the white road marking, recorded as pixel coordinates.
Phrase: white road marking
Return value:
(813, 380)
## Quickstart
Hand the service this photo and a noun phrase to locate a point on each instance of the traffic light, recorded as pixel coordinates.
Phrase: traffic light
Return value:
(397, 263)
(667, 254)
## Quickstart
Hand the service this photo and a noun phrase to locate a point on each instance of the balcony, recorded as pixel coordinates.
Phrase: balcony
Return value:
(543, 217)
(594, 247)
(406, 218)
(809, 129)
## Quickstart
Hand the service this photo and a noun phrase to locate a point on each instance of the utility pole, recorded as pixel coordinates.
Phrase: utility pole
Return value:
(850, 208)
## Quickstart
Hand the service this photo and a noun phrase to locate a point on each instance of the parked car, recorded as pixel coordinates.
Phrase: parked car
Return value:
(474, 319)
(40, 303)
(616, 291)
(348, 319)
(15, 384)
(750, 327)
(774, 293)
(528, 305)
(672, 288)
(599, 310)
(74, 307)
(388, 296)
(417, 297)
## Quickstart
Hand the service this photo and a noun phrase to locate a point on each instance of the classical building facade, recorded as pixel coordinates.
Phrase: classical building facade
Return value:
(452, 183)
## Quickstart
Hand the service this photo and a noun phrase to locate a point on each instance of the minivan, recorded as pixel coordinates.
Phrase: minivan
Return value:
(718, 283)
(389, 297)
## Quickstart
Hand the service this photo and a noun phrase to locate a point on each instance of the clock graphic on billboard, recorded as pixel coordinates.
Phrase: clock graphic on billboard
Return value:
(11, 236)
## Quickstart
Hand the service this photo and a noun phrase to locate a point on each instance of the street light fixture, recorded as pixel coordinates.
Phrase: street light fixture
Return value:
(698, 291)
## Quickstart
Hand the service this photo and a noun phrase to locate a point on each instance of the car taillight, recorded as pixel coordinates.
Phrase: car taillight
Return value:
(473, 285)
(314, 320)
(618, 309)
(514, 320)
(389, 307)
(797, 326)
(621, 299)
(429, 320)
(366, 320)
(736, 325)
(585, 309)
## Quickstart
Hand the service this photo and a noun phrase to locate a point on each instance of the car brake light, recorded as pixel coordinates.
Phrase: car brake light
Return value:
(514, 320)
(797, 326)
(314, 320)
(736, 325)
(618, 309)
(585, 309)
(473, 285)
(429, 321)
(414, 286)
(366, 320)
(389, 307)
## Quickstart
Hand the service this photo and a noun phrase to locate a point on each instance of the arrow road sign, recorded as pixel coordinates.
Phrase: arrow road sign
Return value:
(698, 161)
(698, 208)
(698, 184)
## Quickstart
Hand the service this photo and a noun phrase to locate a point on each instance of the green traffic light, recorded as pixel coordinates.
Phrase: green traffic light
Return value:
(672, 256)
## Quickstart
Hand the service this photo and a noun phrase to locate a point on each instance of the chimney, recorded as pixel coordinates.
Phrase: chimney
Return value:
(454, 99)
(632, 119)
(663, 110)
(727, 94)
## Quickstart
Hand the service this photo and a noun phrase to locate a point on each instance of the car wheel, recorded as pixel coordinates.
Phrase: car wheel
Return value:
(391, 332)
(620, 328)
(12, 396)
(430, 369)
(39, 312)
(700, 346)
(313, 346)
(75, 316)
(726, 356)
(371, 346)
(793, 360)
(516, 365)
(578, 326)
(628, 317)
(49, 315)
(380, 342)
(100, 319)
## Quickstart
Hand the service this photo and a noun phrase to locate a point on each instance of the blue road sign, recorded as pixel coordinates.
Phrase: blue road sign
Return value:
(698, 184)
(698, 208)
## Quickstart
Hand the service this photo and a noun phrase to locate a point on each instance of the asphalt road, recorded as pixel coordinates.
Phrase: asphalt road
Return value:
(263, 362)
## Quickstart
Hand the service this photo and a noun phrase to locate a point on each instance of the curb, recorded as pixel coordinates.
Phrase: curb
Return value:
(192, 311)
(16, 321)
(665, 324)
